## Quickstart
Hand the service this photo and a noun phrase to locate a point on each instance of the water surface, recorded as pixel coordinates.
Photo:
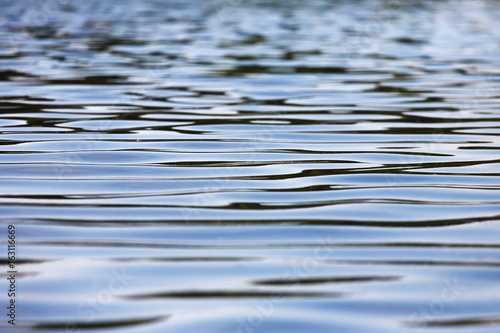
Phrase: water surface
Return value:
(252, 166)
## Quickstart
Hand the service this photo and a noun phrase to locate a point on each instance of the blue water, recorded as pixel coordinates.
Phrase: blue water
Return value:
(251, 166)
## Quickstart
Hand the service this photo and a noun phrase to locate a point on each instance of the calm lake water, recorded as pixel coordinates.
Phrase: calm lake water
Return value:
(239, 166)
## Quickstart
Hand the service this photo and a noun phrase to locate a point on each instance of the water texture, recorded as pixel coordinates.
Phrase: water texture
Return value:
(251, 166)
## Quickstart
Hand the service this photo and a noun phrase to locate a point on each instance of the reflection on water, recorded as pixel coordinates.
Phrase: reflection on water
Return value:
(252, 166)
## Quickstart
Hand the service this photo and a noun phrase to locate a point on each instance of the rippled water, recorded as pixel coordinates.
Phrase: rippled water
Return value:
(252, 166)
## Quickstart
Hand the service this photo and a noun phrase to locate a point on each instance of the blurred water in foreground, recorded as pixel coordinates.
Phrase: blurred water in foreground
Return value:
(252, 166)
